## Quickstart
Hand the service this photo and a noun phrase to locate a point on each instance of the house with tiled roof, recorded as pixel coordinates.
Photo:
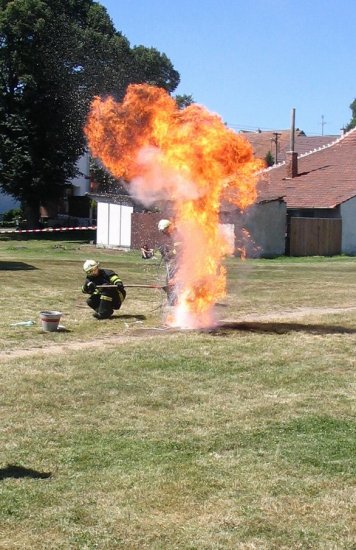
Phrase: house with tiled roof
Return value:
(259, 230)
(319, 188)
(277, 143)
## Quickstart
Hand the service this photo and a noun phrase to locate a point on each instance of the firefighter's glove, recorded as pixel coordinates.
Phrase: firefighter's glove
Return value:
(91, 287)
(120, 286)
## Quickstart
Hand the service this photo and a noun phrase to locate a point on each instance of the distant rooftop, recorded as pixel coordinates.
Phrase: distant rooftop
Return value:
(264, 142)
(325, 177)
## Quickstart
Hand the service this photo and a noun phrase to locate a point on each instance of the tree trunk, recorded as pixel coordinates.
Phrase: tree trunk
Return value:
(32, 215)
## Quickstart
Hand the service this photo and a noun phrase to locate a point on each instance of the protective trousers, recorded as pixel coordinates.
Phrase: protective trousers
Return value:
(104, 304)
(171, 289)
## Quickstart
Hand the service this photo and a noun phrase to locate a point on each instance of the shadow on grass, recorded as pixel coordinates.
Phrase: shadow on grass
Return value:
(279, 328)
(20, 471)
(137, 317)
(16, 266)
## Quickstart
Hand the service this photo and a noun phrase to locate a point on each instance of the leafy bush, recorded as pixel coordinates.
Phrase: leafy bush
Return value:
(12, 215)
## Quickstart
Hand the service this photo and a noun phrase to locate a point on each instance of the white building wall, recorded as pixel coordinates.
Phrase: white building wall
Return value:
(113, 225)
(81, 183)
(348, 234)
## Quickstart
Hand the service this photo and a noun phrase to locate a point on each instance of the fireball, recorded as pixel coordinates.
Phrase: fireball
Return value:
(190, 158)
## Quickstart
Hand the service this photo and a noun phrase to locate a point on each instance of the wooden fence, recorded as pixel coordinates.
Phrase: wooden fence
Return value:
(315, 236)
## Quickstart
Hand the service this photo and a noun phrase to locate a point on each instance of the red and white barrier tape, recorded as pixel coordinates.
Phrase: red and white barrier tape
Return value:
(47, 229)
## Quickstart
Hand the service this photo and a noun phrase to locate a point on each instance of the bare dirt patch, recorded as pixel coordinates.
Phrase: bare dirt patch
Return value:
(298, 313)
(269, 322)
(65, 348)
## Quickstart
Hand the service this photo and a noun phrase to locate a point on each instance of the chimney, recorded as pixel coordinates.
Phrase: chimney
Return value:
(292, 156)
(292, 164)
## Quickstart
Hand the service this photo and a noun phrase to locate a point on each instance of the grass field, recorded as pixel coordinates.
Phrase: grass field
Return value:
(126, 434)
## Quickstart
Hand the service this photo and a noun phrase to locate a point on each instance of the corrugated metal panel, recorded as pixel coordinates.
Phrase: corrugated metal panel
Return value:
(125, 237)
(102, 231)
(113, 225)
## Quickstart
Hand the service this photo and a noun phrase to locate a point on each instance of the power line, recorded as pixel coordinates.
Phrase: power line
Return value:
(248, 128)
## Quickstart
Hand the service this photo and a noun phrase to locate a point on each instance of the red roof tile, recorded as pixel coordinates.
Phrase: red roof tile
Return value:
(326, 177)
(262, 143)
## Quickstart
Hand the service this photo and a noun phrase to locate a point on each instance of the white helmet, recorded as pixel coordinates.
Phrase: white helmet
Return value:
(90, 265)
(163, 224)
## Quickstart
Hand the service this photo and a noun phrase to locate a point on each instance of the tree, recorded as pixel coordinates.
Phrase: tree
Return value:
(352, 123)
(103, 181)
(184, 100)
(55, 55)
(153, 67)
(269, 159)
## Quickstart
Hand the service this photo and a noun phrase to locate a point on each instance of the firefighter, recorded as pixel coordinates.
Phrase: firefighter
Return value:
(102, 300)
(170, 255)
(146, 252)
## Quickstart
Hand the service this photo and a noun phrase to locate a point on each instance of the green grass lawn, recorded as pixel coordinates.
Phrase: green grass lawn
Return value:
(122, 434)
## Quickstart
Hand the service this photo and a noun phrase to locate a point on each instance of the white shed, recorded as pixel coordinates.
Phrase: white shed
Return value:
(113, 220)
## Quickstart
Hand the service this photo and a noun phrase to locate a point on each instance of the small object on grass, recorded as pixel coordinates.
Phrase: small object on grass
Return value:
(50, 320)
(23, 324)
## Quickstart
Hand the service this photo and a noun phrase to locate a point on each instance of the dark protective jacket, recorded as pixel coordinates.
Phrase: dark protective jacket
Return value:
(104, 300)
(104, 277)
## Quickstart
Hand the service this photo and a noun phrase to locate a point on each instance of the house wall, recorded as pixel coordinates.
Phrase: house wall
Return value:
(314, 212)
(266, 223)
(81, 183)
(113, 225)
(144, 230)
(260, 231)
(348, 235)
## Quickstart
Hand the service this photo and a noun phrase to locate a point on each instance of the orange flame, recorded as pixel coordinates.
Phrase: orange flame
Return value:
(190, 158)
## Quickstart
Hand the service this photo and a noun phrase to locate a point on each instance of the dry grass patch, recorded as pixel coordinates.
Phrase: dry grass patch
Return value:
(194, 449)
(124, 436)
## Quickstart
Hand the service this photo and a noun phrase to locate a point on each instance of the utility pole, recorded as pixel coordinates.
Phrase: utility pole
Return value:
(275, 141)
(322, 124)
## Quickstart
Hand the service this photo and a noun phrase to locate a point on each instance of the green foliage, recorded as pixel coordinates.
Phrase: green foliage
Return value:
(184, 100)
(103, 181)
(13, 214)
(55, 57)
(269, 159)
(352, 123)
(154, 68)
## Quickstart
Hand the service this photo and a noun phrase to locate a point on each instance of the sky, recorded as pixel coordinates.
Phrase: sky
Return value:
(252, 62)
